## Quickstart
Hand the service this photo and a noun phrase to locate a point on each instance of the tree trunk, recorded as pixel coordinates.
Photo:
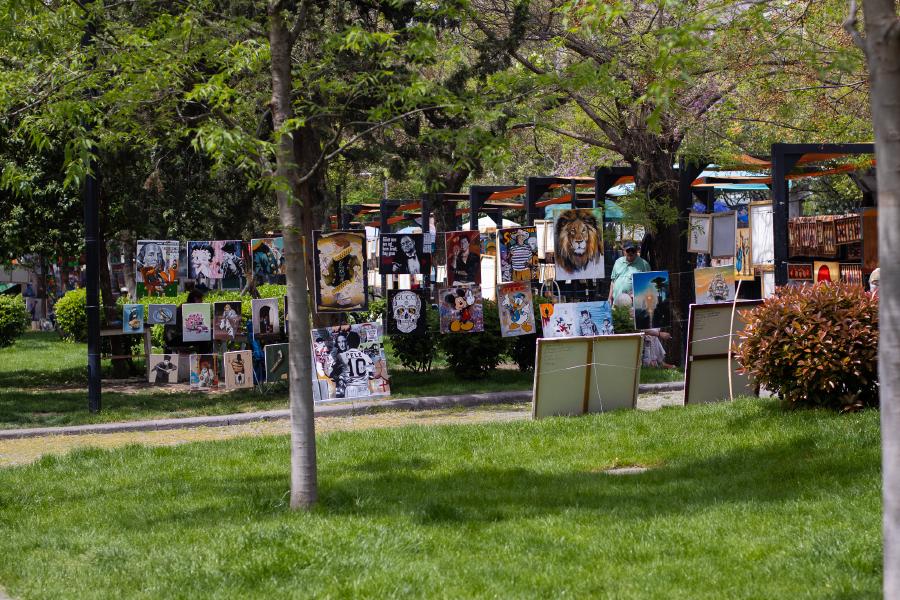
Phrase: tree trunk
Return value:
(656, 177)
(882, 45)
(304, 485)
(128, 241)
(445, 212)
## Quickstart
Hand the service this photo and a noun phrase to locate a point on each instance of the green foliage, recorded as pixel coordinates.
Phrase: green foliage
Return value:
(417, 352)
(13, 318)
(815, 346)
(474, 355)
(71, 315)
(376, 311)
(623, 321)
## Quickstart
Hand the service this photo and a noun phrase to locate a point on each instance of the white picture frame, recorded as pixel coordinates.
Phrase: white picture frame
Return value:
(699, 238)
(762, 235)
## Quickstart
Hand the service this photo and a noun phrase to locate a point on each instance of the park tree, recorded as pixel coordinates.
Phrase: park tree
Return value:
(880, 42)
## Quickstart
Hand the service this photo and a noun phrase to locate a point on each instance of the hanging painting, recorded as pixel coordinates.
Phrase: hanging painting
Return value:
(461, 309)
(724, 235)
(204, 376)
(826, 271)
(403, 254)
(228, 263)
(267, 255)
(699, 229)
(518, 254)
(578, 244)
(714, 284)
(200, 264)
(133, 318)
(516, 308)
(277, 362)
(559, 320)
(156, 272)
(800, 271)
(407, 312)
(162, 314)
(226, 320)
(264, 314)
(762, 235)
(163, 368)
(349, 362)
(196, 322)
(463, 251)
(743, 259)
(652, 308)
(237, 368)
(594, 318)
(340, 271)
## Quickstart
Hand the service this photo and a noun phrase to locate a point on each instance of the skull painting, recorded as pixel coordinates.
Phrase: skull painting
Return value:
(407, 310)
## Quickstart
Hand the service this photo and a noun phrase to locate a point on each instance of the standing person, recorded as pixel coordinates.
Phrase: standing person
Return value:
(620, 279)
(874, 280)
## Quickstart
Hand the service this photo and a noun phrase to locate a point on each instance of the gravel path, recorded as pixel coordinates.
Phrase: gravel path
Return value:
(23, 451)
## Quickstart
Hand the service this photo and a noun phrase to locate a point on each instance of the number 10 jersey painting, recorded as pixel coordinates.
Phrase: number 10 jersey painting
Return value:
(349, 362)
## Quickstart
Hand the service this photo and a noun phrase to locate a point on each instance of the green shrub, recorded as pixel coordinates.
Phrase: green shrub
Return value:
(71, 315)
(377, 308)
(623, 321)
(474, 355)
(417, 352)
(815, 346)
(522, 348)
(13, 319)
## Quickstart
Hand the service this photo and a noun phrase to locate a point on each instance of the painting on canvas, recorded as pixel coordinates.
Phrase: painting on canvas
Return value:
(516, 308)
(340, 271)
(461, 309)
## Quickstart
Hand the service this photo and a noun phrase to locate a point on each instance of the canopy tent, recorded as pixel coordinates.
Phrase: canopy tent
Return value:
(485, 223)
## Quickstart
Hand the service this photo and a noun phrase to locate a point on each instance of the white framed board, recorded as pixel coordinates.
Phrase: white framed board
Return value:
(575, 376)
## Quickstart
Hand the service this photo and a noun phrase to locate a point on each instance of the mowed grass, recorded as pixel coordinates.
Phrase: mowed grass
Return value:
(742, 500)
(43, 384)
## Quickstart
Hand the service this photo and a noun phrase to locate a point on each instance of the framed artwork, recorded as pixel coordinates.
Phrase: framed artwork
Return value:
(743, 259)
(200, 263)
(652, 307)
(516, 308)
(204, 376)
(578, 244)
(594, 318)
(349, 362)
(559, 320)
(800, 271)
(162, 314)
(461, 309)
(826, 271)
(724, 234)
(340, 263)
(237, 369)
(228, 263)
(407, 312)
(699, 230)
(163, 368)
(762, 247)
(713, 285)
(852, 274)
(277, 362)
(463, 252)
(264, 315)
(403, 254)
(156, 267)
(267, 255)
(518, 248)
(133, 318)
(196, 322)
(544, 228)
(226, 320)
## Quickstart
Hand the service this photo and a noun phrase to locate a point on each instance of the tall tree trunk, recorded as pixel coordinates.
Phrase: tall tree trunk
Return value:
(656, 177)
(304, 485)
(882, 47)
(128, 241)
(445, 212)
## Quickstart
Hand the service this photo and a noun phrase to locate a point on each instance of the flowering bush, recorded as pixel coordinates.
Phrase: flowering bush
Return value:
(815, 346)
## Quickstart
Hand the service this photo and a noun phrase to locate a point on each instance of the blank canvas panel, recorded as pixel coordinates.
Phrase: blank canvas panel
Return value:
(560, 375)
(710, 325)
(762, 236)
(724, 229)
(615, 372)
(709, 381)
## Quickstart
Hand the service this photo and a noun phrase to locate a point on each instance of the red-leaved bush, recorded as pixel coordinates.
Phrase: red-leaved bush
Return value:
(815, 346)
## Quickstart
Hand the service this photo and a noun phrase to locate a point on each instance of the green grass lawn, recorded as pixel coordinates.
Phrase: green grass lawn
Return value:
(38, 362)
(742, 500)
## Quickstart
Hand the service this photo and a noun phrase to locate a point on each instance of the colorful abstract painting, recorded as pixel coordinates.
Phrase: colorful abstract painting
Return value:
(340, 271)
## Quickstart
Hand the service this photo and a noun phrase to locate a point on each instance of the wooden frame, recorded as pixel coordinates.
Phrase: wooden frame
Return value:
(713, 346)
(699, 233)
(762, 235)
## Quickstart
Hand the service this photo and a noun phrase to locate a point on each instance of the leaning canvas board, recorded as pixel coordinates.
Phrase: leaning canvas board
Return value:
(574, 376)
(561, 377)
(709, 326)
(615, 372)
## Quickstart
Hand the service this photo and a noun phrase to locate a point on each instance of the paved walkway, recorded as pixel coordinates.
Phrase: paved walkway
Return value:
(24, 450)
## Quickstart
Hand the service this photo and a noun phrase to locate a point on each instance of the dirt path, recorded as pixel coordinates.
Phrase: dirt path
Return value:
(24, 451)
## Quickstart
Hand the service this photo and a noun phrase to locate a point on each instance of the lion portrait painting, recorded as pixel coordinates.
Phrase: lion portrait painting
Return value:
(578, 244)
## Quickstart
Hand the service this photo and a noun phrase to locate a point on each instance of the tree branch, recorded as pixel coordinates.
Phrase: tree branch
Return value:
(592, 141)
(850, 27)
